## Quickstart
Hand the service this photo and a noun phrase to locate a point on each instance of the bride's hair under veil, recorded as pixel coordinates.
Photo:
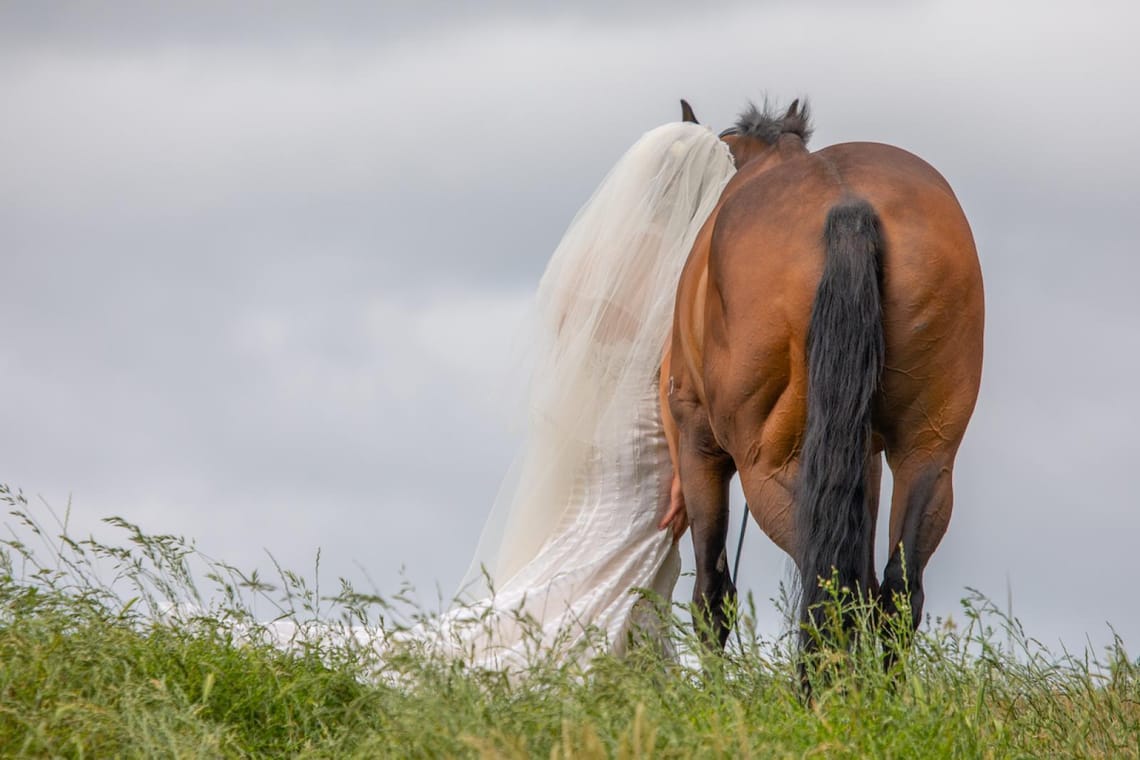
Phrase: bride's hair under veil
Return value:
(602, 316)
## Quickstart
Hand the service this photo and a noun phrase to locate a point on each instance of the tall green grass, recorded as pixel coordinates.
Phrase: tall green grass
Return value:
(147, 648)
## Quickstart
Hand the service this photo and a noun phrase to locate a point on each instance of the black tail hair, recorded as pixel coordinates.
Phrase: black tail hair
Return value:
(845, 363)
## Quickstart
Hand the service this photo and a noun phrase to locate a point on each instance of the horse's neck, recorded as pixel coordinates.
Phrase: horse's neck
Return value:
(788, 148)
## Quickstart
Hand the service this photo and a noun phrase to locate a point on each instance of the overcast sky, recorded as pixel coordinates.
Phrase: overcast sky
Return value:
(263, 264)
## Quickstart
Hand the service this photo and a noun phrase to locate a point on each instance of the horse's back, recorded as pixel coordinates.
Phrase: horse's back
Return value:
(782, 210)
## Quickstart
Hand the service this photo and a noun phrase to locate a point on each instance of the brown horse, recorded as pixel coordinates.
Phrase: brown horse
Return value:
(830, 311)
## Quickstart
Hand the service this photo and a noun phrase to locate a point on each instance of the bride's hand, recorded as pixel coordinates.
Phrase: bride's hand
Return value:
(676, 517)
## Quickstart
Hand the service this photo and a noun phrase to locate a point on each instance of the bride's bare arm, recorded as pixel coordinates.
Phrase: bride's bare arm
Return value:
(675, 515)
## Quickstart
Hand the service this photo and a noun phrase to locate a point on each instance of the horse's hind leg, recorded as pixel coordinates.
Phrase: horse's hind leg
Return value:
(921, 440)
(921, 504)
(705, 473)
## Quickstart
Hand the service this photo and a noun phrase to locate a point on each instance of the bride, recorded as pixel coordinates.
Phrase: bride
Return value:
(577, 525)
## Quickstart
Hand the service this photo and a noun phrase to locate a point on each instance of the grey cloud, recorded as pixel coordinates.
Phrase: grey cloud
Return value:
(53, 24)
(245, 282)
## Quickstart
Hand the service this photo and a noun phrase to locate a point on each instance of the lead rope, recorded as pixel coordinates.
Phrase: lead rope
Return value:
(740, 546)
(736, 574)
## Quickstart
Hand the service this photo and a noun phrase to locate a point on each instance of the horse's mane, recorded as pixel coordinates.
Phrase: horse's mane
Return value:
(769, 122)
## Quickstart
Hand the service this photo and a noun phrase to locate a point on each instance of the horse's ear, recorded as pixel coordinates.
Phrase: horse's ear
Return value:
(687, 112)
(792, 109)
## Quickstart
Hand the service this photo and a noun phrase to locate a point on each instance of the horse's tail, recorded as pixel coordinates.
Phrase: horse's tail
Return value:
(845, 361)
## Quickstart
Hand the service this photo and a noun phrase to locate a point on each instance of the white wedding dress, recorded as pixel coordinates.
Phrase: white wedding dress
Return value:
(574, 531)
(603, 546)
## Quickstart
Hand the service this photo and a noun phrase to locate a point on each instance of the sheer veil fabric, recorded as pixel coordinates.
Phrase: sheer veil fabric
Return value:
(573, 529)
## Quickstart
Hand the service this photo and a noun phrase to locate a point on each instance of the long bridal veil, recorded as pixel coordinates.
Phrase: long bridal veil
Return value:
(603, 315)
